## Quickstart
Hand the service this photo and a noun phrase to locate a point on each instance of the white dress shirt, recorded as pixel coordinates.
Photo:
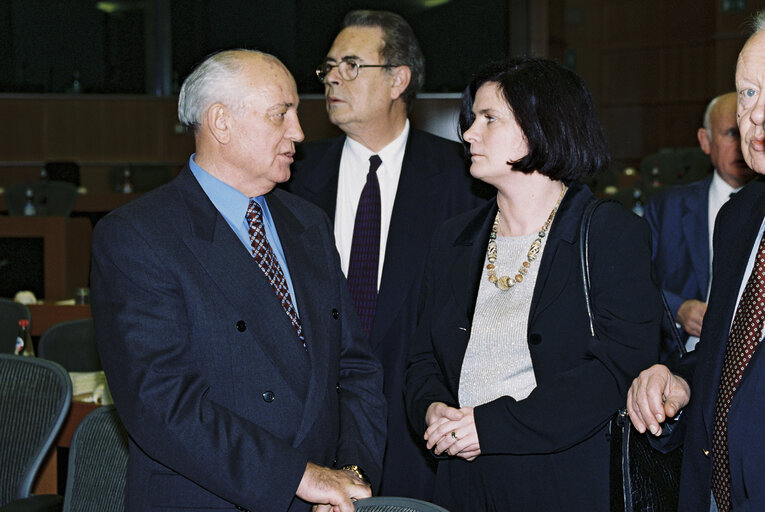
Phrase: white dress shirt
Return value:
(354, 167)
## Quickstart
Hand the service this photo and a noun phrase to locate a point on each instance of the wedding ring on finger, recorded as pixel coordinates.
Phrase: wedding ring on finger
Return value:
(454, 435)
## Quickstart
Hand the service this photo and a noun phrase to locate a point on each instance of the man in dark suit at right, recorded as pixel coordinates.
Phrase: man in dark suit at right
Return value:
(722, 426)
(387, 186)
(682, 219)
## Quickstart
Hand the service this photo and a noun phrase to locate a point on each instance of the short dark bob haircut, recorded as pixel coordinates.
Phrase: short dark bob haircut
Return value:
(554, 108)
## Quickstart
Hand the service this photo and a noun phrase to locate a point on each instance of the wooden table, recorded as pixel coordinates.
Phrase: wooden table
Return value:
(45, 316)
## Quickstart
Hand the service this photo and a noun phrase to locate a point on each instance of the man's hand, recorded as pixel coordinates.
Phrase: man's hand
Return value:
(655, 395)
(331, 489)
(690, 316)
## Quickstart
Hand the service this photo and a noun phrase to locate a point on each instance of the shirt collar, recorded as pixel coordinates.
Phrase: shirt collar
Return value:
(231, 203)
(720, 189)
(389, 153)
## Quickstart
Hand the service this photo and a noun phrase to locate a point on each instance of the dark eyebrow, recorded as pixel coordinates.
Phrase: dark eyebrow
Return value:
(346, 57)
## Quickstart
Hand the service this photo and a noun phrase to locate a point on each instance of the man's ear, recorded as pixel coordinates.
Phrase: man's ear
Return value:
(704, 141)
(218, 122)
(402, 75)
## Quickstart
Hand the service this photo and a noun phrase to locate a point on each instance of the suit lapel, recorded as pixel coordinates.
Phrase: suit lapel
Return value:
(469, 254)
(230, 266)
(560, 256)
(309, 280)
(734, 249)
(695, 222)
(408, 235)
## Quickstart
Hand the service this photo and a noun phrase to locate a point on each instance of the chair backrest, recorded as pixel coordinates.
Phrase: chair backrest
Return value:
(10, 314)
(35, 396)
(56, 198)
(144, 177)
(395, 504)
(64, 171)
(97, 464)
(71, 344)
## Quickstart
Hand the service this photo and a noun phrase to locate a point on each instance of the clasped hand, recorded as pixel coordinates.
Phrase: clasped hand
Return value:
(452, 431)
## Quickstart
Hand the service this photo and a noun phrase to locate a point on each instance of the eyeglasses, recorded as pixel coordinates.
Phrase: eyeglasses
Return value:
(347, 68)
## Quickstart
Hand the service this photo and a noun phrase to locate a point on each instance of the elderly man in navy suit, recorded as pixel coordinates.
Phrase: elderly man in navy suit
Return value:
(683, 218)
(722, 425)
(387, 186)
(225, 327)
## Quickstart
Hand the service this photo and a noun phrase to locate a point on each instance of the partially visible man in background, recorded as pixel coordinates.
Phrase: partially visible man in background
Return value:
(387, 186)
(682, 219)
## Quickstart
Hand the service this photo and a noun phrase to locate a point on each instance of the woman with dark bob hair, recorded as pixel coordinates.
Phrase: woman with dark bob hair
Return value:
(506, 382)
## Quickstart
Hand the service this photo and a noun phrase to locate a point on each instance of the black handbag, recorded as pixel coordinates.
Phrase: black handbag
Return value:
(643, 479)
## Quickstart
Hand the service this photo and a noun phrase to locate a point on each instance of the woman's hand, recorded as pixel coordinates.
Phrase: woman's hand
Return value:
(452, 431)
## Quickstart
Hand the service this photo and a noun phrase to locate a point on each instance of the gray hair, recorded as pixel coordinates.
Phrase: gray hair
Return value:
(758, 21)
(400, 47)
(213, 80)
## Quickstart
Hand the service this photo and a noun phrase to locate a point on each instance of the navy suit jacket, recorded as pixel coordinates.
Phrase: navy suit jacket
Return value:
(434, 185)
(679, 220)
(222, 403)
(548, 451)
(736, 231)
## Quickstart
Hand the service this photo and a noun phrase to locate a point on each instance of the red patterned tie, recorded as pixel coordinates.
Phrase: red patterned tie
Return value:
(266, 260)
(745, 335)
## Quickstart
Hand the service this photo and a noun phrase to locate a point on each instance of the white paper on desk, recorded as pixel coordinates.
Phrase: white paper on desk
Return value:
(90, 387)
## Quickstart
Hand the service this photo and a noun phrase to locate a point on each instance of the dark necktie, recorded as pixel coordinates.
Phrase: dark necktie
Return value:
(266, 260)
(743, 339)
(365, 248)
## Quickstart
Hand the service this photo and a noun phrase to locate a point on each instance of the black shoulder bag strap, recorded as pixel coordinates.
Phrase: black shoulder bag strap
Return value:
(641, 479)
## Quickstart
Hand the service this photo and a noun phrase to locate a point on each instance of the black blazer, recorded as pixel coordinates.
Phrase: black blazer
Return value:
(581, 380)
(738, 225)
(434, 186)
(223, 405)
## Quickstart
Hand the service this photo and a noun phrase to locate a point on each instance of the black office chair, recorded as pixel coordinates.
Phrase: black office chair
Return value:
(143, 177)
(10, 314)
(394, 504)
(71, 344)
(63, 171)
(35, 396)
(98, 455)
(52, 198)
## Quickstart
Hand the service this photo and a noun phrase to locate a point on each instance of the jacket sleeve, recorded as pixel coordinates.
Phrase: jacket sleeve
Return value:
(569, 405)
(141, 321)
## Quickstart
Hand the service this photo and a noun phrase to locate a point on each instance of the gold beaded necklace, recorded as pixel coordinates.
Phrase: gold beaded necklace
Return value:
(504, 283)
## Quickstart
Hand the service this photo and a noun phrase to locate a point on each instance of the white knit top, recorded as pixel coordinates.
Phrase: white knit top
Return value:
(497, 360)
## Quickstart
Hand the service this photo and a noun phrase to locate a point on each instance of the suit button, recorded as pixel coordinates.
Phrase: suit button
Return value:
(535, 338)
(335, 314)
(241, 326)
(269, 396)
(337, 387)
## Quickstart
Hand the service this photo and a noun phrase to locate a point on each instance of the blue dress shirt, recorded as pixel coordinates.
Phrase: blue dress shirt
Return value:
(232, 205)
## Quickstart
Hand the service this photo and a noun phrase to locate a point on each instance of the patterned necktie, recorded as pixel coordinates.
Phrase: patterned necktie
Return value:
(266, 260)
(743, 339)
(365, 248)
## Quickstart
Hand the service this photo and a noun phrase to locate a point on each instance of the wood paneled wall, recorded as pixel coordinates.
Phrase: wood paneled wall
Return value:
(652, 65)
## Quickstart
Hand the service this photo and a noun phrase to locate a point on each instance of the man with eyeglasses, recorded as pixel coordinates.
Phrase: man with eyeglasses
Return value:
(387, 186)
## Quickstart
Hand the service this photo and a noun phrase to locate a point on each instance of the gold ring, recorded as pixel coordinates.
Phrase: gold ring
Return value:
(454, 435)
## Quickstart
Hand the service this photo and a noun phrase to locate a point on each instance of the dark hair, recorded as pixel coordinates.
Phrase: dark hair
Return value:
(554, 108)
(400, 47)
